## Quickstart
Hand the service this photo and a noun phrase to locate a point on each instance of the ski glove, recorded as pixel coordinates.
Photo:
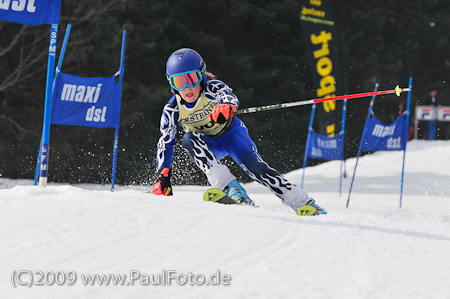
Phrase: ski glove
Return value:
(221, 113)
(162, 185)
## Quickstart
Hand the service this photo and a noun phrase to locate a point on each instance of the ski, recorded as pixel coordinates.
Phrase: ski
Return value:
(307, 211)
(310, 209)
(216, 195)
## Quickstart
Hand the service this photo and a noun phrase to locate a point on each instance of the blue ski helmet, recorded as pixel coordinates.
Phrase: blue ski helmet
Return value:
(183, 61)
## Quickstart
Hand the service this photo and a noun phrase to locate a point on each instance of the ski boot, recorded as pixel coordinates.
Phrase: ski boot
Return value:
(310, 209)
(237, 192)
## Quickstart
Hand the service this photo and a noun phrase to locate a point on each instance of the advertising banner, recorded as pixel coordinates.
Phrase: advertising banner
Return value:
(30, 12)
(324, 55)
(380, 137)
(89, 102)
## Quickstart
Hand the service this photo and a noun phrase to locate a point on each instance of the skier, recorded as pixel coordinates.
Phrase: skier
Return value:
(205, 107)
(431, 100)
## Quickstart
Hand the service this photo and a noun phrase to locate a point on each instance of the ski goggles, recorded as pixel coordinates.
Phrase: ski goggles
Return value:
(186, 79)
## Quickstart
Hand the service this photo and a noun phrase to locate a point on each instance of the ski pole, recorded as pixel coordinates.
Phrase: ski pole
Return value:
(397, 91)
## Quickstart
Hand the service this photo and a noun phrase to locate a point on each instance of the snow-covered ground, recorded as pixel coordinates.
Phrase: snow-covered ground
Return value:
(373, 249)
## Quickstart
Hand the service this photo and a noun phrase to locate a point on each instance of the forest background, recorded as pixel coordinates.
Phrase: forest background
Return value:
(256, 47)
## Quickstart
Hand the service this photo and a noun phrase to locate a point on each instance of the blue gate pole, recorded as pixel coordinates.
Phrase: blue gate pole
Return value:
(405, 130)
(116, 145)
(58, 70)
(360, 143)
(116, 137)
(63, 51)
(344, 112)
(45, 139)
(38, 163)
(305, 157)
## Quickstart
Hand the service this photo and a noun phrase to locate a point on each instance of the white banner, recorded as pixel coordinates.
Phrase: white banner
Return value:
(425, 113)
(443, 113)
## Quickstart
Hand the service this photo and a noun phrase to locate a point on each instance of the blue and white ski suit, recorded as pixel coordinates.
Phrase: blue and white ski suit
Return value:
(208, 142)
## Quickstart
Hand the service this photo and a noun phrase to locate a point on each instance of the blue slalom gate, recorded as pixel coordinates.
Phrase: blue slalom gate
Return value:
(78, 101)
(379, 137)
(324, 147)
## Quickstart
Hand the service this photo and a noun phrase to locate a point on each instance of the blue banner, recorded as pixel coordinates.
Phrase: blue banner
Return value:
(380, 137)
(30, 12)
(89, 102)
(324, 147)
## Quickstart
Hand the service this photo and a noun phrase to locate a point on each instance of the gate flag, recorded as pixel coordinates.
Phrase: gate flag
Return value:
(380, 137)
(89, 102)
(30, 12)
(37, 12)
(324, 147)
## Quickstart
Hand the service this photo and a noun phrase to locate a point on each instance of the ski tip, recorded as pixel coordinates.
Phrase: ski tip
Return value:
(307, 211)
(310, 211)
(216, 195)
(213, 195)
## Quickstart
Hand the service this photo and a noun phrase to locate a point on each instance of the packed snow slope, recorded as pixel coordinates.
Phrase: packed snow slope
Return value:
(373, 249)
